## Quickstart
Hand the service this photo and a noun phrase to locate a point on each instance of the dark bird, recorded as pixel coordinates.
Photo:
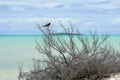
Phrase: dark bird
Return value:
(47, 25)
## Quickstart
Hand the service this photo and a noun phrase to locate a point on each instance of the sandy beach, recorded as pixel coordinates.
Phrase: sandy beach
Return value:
(114, 77)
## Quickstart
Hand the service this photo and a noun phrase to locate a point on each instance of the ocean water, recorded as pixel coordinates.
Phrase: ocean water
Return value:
(16, 50)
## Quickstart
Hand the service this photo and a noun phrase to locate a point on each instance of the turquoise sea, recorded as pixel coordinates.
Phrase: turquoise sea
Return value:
(16, 50)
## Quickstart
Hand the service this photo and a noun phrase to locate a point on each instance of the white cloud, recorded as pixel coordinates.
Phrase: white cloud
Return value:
(11, 3)
(90, 12)
(52, 4)
(25, 20)
(25, 23)
(17, 8)
(49, 5)
(105, 4)
(115, 21)
(89, 24)
(81, 5)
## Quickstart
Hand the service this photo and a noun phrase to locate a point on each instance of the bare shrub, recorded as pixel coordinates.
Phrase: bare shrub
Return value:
(73, 57)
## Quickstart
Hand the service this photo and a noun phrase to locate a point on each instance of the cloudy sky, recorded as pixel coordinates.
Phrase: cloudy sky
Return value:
(18, 17)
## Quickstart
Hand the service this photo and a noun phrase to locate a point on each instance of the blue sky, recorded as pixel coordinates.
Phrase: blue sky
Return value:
(18, 17)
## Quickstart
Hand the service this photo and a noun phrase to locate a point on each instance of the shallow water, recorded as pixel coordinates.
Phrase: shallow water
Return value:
(16, 50)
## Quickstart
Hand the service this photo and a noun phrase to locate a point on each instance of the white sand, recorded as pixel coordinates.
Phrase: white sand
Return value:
(114, 77)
